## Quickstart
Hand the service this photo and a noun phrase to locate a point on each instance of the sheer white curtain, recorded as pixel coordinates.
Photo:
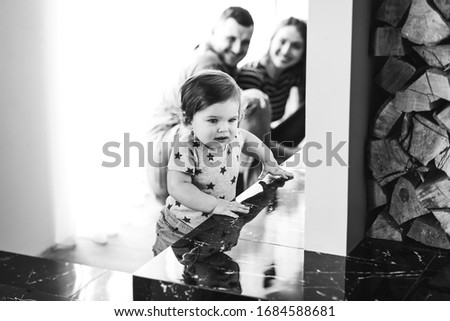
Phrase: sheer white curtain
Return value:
(110, 60)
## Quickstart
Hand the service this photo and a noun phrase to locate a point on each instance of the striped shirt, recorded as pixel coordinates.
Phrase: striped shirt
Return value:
(254, 75)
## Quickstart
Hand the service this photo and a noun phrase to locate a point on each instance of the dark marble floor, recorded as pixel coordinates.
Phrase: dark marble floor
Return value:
(30, 278)
(388, 270)
(374, 270)
(259, 256)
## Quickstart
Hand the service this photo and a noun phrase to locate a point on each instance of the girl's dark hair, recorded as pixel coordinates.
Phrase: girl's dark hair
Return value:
(299, 69)
(204, 89)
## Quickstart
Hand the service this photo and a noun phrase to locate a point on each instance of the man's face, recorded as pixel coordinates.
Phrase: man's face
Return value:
(231, 41)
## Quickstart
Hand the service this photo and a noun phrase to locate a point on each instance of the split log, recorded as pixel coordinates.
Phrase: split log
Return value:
(405, 134)
(435, 56)
(404, 202)
(385, 119)
(387, 160)
(439, 81)
(424, 93)
(384, 227)
(443, 117)
(376, 197)
(392, 11)
(443, 216)
(422, 85)
(435, 192)
(388, 42)
(427, 230)
(408, 101)
(394, 75)
(422, 145)
(444, 7)
(427, 140)
(442, 161)
(424, 25)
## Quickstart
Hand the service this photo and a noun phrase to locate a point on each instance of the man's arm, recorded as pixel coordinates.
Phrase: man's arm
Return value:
(255, 148)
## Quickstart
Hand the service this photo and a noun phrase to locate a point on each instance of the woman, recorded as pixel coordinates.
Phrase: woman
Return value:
(281, 73)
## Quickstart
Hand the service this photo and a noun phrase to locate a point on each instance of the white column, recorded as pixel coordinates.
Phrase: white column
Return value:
(26, 199)
(328, 106)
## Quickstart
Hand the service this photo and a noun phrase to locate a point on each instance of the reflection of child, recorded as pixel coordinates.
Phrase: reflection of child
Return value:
(218, 271)
(204, 163)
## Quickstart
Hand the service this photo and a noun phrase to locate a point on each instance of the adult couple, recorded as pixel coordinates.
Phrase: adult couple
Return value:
(266, 87)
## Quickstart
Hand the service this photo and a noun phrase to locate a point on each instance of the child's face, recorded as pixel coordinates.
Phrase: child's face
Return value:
(216, 123)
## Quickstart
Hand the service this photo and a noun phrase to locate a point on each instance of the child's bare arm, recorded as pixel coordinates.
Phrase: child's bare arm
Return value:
(255, 148)
(181, 188)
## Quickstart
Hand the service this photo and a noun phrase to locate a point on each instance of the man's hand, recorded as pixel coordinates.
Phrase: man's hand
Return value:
(252, 98)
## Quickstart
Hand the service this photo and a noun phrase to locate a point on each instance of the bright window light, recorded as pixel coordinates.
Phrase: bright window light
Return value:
(110, 62)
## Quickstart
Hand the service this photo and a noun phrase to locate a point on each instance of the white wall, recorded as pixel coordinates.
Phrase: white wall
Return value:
(26, 215)
(328, 101)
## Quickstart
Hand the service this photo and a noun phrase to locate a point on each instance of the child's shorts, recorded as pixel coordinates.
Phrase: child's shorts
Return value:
(169, 229)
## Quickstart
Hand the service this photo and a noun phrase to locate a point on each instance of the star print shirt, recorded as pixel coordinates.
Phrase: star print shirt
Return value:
(213, 170)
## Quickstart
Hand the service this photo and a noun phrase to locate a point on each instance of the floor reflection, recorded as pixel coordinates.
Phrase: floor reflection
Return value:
(264, 256)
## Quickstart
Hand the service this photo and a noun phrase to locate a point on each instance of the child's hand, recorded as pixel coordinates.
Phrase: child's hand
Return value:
(275, 171)
(228, 208)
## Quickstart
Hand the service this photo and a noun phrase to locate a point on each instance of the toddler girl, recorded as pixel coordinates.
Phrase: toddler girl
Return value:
(204, 163)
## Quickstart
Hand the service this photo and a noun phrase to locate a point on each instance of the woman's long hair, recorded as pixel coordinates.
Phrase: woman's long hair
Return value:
(299, 69)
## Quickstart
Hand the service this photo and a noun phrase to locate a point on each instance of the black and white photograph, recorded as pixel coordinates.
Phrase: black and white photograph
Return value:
(275, 151)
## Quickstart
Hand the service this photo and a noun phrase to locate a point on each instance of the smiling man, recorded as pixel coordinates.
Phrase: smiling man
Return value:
(226, 47)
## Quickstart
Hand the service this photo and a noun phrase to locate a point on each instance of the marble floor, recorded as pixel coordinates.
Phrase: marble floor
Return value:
(258, 256)
(374, 270)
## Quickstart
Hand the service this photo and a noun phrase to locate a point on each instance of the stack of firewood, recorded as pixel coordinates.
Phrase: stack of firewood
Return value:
(409, 145)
